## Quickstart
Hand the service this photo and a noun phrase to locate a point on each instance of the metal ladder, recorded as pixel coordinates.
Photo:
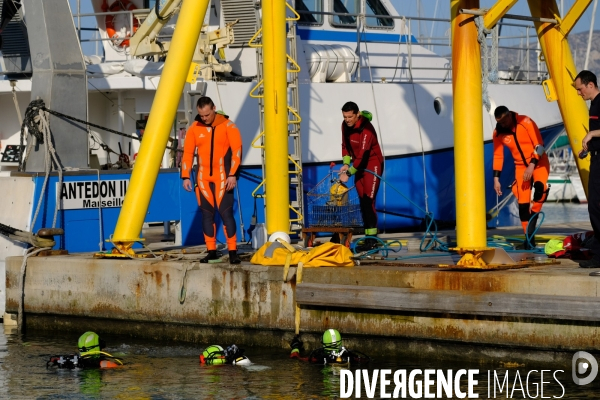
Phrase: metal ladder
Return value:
(294, 120)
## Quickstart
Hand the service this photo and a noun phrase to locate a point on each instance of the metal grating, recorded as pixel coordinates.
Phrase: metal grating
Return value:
(15, 46)
(244, 11)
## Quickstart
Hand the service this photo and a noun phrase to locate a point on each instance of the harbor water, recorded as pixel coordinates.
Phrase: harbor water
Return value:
(158, 370)
(565, 213)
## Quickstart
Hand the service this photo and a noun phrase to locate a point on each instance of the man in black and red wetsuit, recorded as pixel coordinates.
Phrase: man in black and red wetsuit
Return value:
(361, 151)
(587, 87)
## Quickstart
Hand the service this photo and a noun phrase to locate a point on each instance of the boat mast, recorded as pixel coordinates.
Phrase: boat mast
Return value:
(589, 43)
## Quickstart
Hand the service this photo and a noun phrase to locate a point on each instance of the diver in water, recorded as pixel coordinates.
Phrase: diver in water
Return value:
(332, 352)
(90, 355)
(216, 355)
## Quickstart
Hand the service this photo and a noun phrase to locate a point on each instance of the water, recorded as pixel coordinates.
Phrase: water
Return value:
(565, 213)
(554, 213)
(158, 370)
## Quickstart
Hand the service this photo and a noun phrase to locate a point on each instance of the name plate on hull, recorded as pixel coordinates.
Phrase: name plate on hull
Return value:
(91, 194)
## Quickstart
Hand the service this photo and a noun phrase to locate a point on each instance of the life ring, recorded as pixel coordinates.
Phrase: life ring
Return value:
(120, 5)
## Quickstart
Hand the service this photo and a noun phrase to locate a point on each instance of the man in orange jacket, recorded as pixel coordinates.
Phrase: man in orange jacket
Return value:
(523, 138)
(219, 145)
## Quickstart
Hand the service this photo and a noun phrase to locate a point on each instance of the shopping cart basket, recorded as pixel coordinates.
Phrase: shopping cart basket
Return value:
(333, 204)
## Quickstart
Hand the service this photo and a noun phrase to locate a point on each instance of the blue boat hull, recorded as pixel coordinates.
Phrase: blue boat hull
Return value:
(83, 227)
(405, 173)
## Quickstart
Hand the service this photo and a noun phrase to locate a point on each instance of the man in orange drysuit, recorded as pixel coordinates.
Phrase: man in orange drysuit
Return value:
(523, 138)
(219, 145)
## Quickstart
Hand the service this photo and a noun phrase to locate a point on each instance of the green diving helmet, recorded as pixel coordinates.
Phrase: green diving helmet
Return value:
(332, 340)
(213, 355)
(367, 114)
(89, 344)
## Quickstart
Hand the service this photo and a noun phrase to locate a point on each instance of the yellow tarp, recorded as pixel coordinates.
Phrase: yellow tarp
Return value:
(326, 255)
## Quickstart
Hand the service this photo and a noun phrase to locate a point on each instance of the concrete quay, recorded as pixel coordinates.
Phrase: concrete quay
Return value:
(544, 312)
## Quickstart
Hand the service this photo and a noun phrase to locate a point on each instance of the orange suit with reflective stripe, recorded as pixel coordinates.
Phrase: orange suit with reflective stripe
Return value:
(522, 141)
(219, 157)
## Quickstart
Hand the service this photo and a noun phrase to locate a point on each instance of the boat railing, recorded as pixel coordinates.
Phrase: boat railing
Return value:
(522, 72)
(139, 13)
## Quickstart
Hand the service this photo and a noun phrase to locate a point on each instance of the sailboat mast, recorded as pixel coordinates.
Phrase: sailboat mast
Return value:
(589, 43)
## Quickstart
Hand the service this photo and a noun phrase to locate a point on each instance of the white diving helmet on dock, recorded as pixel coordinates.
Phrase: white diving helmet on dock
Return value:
(280, 235)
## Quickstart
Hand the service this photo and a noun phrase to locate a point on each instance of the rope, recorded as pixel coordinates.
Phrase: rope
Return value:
(493, 74)
(379, 138)
(50, 150)
(422, 149)
(430, 224)
(31, 124)
(25, 237)
(420, 136)
(383, 246)
(528, 237)
(482, 39)
(431, 231)
(100, 225)
(495, 211)
(42, 126)
(14, 93)
(402, 34)
(183, 289)
(39, 105)
(7, 230)
(28, 253)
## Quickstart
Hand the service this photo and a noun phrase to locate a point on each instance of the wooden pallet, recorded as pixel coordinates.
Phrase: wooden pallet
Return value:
(309, 234)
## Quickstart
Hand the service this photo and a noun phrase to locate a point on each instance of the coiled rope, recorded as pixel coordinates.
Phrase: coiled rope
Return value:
(37, 124)
(430, 240)
(487, 74)
(31, 124)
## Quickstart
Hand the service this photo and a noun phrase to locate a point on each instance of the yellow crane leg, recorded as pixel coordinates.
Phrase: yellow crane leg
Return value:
(496, 12)
(468, 132)
(557, 55)
(570, 19)
(160, 121)
(276, 115)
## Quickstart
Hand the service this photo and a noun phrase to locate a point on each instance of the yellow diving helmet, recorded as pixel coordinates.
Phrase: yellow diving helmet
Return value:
(338, 194)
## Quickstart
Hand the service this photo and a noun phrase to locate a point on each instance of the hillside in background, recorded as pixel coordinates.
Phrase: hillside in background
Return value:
(577, 42)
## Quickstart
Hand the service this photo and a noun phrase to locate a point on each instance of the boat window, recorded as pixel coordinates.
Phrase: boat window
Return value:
(310, 5)
(346, 7)
(376, 7)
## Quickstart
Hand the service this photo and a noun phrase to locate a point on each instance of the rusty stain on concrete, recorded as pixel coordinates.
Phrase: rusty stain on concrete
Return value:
(238, 298)
(156, 275)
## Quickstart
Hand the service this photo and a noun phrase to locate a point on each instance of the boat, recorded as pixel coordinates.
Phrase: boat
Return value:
(364, 53)
(565, 183)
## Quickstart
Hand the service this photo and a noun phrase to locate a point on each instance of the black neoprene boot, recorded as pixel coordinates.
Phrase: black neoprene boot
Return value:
(233, 257)
(212, 255)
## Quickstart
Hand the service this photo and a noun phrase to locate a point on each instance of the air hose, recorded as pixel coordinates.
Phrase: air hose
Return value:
(431, 232)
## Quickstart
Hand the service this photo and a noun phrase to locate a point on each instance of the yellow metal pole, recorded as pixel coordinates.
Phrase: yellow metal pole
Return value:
(276, 115)
(573, 15)
(162, 114)
(497, 11)
(557, 55)
(468, 129)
